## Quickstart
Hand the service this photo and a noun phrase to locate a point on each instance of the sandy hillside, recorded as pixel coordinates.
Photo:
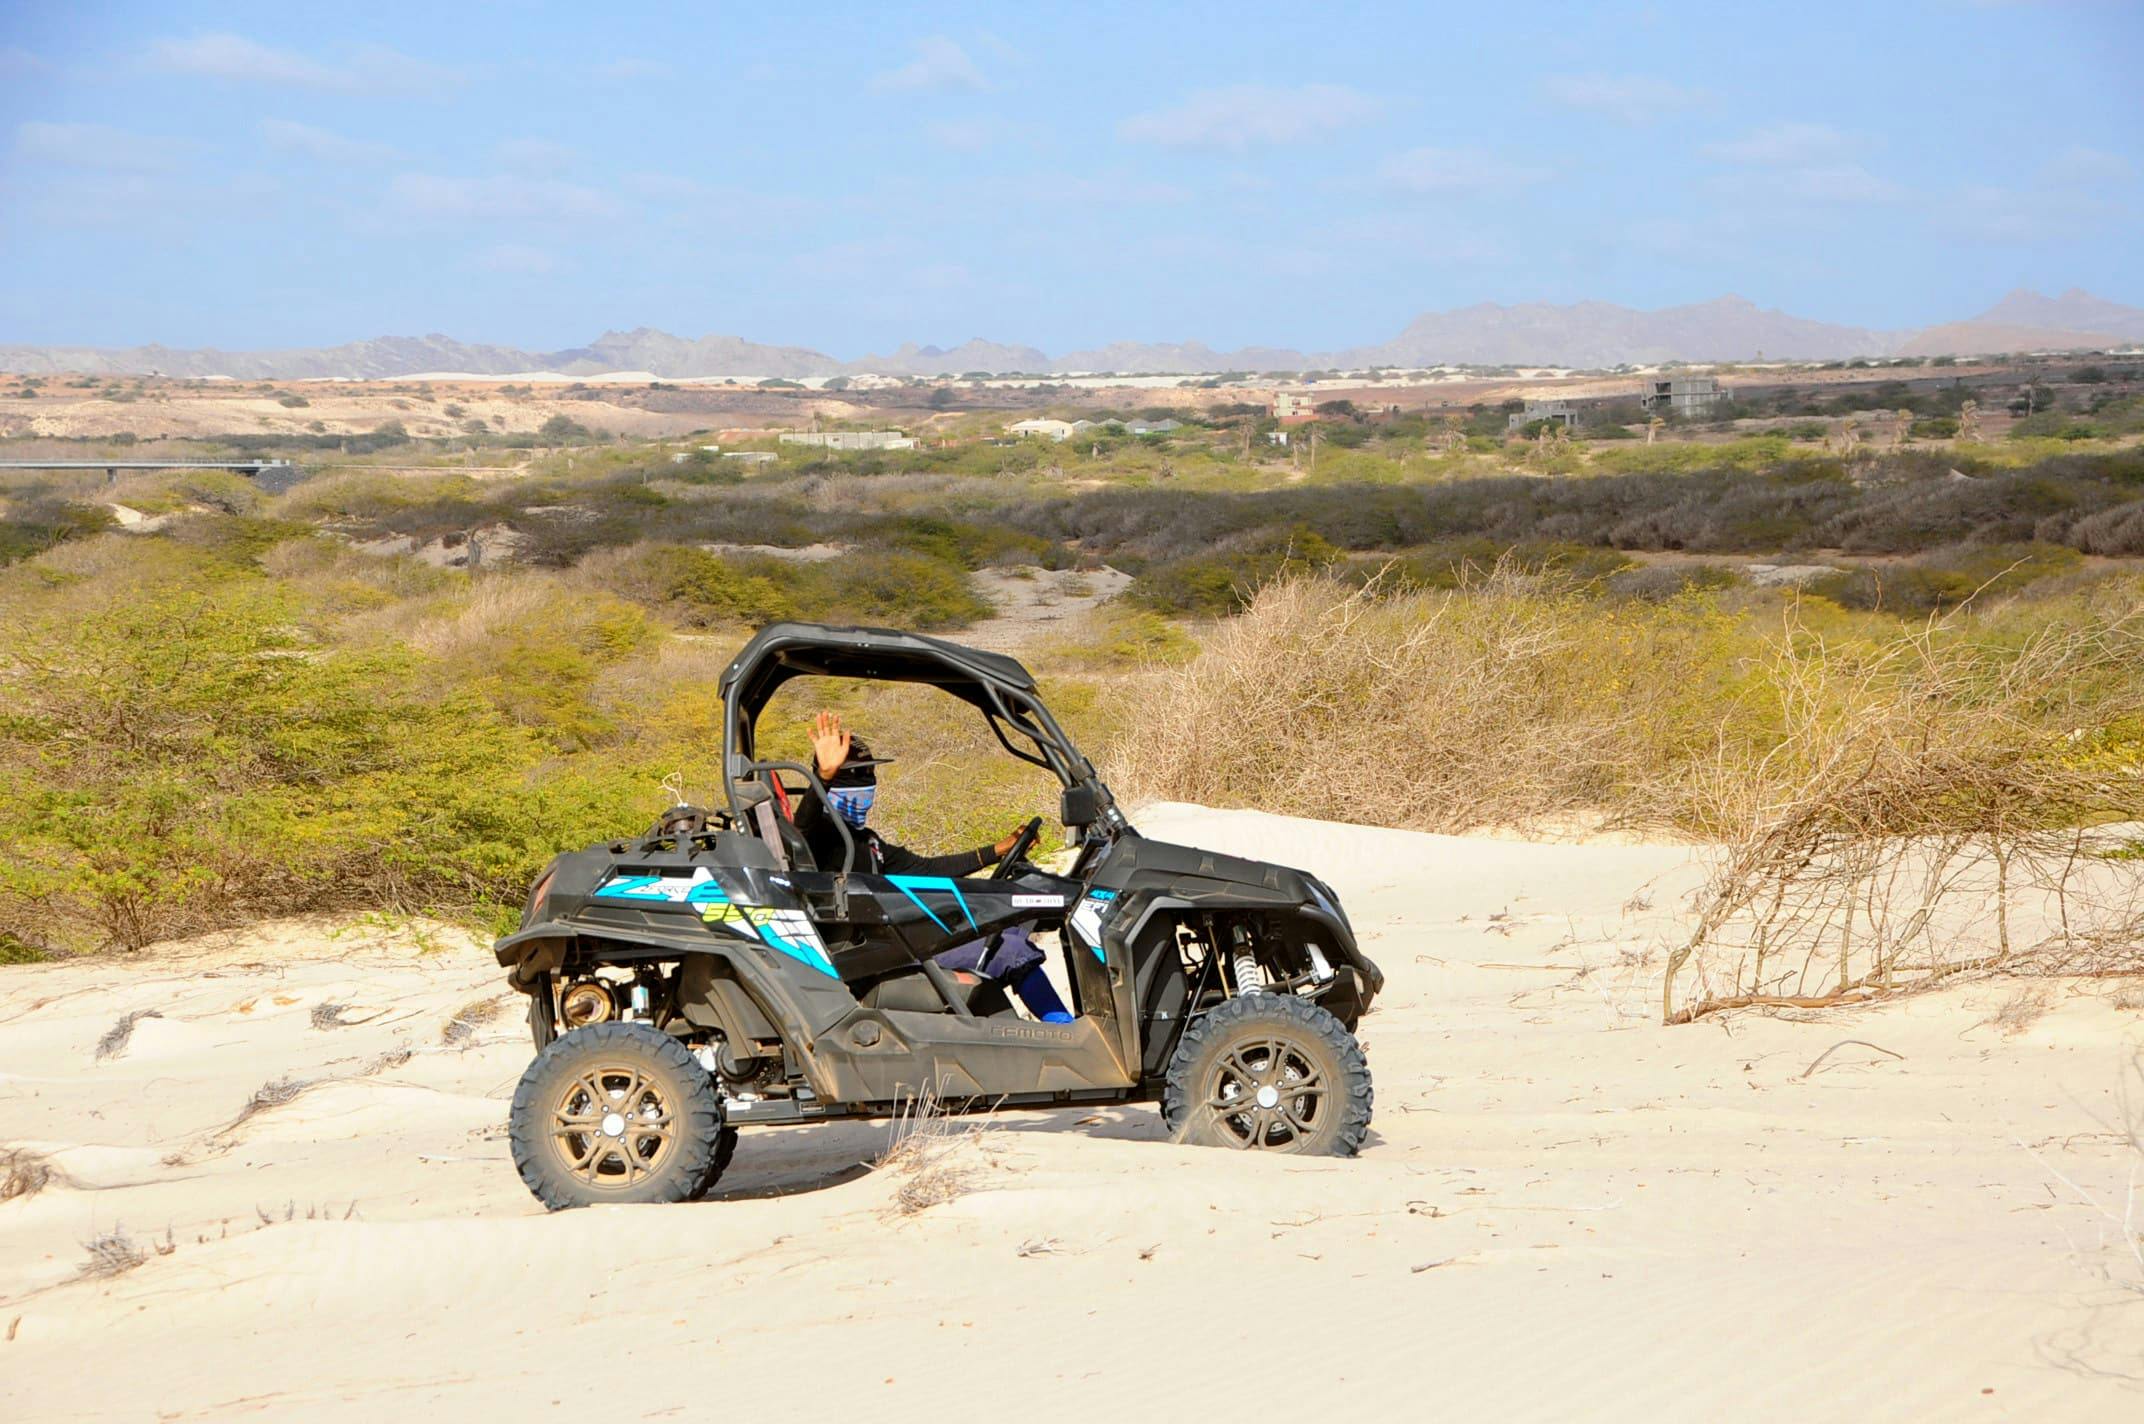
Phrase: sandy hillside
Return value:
(1565, 1211)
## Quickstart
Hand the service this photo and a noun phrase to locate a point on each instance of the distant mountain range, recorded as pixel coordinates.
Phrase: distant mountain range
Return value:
(1586, 335)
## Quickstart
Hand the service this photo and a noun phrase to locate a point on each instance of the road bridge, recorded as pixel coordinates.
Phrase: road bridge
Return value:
(273, 473)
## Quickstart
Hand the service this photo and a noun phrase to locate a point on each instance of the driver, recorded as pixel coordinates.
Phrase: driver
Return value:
(850, 774)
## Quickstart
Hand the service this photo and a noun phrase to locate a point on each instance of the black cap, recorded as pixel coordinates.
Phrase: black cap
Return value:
(861, 767)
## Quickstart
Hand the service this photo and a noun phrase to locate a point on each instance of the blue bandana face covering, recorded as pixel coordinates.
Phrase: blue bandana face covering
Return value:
(853, 803)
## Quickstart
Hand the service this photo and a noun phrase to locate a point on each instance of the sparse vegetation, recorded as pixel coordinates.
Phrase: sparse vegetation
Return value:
(257, 709)
(112, 1253)
(24, 1173)
(119, 1035)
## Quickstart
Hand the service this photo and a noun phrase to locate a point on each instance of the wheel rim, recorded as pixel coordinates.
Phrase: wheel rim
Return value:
(613, 1127)
(1266, 1094)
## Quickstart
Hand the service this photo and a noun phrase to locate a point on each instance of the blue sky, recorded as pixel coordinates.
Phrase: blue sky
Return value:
(851, 176)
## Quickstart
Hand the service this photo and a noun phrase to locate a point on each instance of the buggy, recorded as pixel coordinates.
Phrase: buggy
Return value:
(709, 975)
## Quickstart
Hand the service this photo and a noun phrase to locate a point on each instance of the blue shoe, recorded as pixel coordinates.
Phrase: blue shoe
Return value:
(1041, 999)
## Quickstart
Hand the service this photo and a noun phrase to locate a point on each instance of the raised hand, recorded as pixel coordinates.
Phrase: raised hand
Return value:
(829, 743)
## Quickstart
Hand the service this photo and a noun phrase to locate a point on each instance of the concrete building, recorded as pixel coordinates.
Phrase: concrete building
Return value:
(750, 457)
(1561, 410)
(1293, 406)
(1047, 429)
(851, 440)
(1688, 396)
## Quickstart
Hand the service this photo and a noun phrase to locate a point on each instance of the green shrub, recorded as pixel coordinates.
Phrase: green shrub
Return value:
(14, 950)
(31, 528)
(1214, 585)
(1946, 579)
(192, 758)
(898, 590)
(706, 589)
(865, 586)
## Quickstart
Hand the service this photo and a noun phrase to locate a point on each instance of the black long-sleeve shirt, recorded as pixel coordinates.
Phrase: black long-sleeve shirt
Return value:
(875, 855)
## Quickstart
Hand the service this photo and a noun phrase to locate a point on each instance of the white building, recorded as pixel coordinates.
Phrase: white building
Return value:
(1046, 428)
(852, 440)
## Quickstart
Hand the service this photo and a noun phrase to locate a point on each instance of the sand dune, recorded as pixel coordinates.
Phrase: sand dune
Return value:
(1564, 1211)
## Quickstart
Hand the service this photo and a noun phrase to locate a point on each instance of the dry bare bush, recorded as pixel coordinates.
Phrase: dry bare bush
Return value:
(24, 1173)
(467, 1019)
(119, 1035)
(1504, 701)
(272, 1094)
(1893, 804)
(112, 1253)
(2022, 1010)
(925, 1145)
(1953, 799)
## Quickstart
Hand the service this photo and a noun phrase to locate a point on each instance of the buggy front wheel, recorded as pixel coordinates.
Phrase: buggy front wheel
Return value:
(1272, 1073)
(616, 1112)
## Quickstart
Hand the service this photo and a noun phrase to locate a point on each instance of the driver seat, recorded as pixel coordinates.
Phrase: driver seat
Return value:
(767, 803)
(910, 991)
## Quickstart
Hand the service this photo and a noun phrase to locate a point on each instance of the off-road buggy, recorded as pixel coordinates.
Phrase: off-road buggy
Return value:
(709, 975)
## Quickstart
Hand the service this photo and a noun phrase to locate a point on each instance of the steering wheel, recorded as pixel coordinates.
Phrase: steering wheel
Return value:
(1025, 842)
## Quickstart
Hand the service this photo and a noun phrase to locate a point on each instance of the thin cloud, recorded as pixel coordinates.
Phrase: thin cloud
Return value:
(98, 147)
(1455, 170)
(15, 60)
(1102, 190)
(941, 66)
(2087, 168)
(369, 69)
(1783, 146)
(960, 138)
(1819, 185)
(662, 187)
(429, 197)
(516, 259)
(2077, 192)
(1627, 99)
(1247, 115)
(621, 71)
(2018, 217)
(305, 141)
(537, 156)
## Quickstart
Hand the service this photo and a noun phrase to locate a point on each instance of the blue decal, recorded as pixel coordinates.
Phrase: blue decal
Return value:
(631, 887)
(807, 954)
(707, 892)
(909, 884)
(1101, 894)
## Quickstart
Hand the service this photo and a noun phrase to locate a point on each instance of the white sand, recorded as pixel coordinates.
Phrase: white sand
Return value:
(1565, 1210)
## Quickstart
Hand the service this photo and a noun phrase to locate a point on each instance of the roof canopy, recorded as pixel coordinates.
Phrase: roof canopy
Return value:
(782, 651)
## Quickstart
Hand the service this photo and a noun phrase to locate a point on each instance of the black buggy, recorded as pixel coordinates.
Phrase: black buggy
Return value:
(709, 975)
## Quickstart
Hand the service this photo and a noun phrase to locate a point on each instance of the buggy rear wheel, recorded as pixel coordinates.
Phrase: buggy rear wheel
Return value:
(616, 1112)
(725, 1148)
(1269, 1072)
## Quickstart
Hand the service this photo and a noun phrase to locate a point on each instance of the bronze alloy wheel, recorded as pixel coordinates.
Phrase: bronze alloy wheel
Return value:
(1268, 1072)
(615, 1113)
(612, 1126)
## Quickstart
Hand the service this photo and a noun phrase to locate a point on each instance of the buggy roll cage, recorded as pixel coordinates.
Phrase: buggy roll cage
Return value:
(1002, 689)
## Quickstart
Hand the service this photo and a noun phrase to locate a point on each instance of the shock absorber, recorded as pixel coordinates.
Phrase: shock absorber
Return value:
(1242, 963)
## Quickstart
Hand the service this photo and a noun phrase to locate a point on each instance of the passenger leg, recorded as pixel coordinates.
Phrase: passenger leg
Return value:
(1013, 958)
